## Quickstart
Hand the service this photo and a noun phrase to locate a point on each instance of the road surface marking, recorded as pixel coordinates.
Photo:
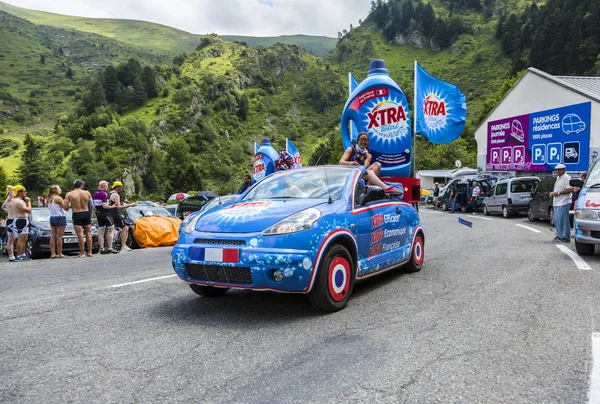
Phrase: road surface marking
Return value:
(143, 280)
(479, 217)
(594, 396)
(528, 228)
(581, 264)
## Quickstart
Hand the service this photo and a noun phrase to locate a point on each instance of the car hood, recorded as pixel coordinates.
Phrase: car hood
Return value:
(251, 216)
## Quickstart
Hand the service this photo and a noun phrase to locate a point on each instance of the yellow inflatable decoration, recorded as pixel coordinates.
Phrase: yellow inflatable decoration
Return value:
(156, 231)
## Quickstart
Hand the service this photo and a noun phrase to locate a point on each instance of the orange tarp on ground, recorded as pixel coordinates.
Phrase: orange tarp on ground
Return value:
(156, 231)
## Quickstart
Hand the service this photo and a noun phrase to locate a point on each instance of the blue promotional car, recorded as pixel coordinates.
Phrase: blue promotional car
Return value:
(312, 230)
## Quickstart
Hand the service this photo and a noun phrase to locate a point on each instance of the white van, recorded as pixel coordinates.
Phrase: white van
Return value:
(510, 196)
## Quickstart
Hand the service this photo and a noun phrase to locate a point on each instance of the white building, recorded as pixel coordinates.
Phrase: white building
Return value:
(541, 121)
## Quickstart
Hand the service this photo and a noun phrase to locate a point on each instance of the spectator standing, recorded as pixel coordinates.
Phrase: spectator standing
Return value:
(475, 196)
(562, 201)
(58, 220)
(104, 215)
(79, 201)
(436, 195)
(247, 184)
(453, 198)
(118, 219)
(18, 207)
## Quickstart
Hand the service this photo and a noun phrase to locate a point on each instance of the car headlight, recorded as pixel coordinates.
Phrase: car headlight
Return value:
(297, 222)
(189, 223)
(586, 214)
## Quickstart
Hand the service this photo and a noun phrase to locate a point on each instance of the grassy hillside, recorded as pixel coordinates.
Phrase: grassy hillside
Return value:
(157, 38)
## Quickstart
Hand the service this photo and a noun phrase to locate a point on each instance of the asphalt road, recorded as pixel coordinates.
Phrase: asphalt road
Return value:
(498, 314)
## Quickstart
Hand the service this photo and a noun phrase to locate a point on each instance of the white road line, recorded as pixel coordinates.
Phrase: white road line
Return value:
(479, 217)
(594, 394)
(528, 228)
(143, 280)
(581, 264)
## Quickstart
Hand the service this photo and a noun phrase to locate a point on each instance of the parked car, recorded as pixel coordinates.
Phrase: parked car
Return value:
(510, 196)
(190, 204)
(464, 187)
(145, 235)
(587, 212)
(38, 242)
(540, 204)
(313, 230)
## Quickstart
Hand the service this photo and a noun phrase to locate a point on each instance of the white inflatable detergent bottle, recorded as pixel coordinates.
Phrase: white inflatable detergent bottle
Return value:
(264, 160)
(378, 107)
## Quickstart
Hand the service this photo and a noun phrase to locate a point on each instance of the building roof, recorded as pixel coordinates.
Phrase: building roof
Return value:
(591, 84)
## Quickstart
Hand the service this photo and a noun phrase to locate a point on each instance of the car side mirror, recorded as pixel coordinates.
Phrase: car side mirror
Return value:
(371, 194)
(576, 182)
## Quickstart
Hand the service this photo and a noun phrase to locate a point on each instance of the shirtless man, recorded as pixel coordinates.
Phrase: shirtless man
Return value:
(78, 199)
(18, 207)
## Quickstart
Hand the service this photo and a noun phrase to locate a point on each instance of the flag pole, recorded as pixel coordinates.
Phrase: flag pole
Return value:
(415, 123)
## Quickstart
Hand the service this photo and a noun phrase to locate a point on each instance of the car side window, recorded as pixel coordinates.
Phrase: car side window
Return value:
(501, 189)
(492, 191)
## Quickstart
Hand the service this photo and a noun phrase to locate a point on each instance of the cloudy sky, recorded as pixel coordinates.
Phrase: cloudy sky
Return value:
(224, 17)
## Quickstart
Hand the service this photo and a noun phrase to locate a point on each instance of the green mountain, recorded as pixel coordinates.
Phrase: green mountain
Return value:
(192, 125)
(157, 38)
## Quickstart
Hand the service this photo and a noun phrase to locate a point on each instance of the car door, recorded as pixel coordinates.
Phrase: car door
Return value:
(489, 201)
(382, 234)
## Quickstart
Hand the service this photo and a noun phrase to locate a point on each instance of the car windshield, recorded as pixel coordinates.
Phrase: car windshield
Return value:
(523, 185)
(310, 184)
(136, 212)
(43, 215)
(594, 176)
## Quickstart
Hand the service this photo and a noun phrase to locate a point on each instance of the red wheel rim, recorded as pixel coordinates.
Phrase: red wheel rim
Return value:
(339, 278)
(418, 251)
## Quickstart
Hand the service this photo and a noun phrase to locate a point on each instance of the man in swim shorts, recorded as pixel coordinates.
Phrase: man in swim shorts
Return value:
(78, 200)
(18, 207)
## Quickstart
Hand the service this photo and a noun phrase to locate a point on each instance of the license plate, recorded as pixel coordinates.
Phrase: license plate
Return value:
(525, 198)
(68, 240)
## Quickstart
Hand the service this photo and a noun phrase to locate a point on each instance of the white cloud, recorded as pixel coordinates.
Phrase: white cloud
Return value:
(224, 17)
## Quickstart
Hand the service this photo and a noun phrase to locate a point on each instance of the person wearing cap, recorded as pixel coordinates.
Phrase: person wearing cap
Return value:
(18, 207)
(104, 215)
(562, 201)
(119, 220)
(436, 195)
(78, 200)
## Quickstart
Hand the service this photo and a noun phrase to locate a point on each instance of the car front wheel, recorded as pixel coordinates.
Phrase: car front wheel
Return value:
(485, 210)
(444, 206)
(335, 280)
(208, 291)
(551, 216)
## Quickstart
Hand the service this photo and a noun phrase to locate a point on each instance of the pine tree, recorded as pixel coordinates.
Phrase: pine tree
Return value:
(149, 81)
(33, 172)
(139, 93)
(111, 83)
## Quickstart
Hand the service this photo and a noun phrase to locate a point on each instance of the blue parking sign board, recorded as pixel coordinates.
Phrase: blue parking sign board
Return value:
(540, 140)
